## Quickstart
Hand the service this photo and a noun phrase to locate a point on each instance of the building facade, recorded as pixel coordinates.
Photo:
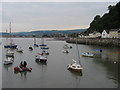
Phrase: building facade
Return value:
(113, 33)
(105, 34)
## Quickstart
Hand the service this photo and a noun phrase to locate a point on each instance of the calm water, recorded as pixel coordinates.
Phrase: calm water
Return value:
(98, 72)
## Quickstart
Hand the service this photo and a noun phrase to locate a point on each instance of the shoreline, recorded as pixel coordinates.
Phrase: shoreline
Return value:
(95, 41)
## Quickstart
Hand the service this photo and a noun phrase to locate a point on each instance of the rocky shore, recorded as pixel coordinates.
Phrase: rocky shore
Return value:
(95, 41)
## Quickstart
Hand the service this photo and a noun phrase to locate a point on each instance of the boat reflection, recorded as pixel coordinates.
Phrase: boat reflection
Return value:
(7, 66)
(76, 73)
(41, 63)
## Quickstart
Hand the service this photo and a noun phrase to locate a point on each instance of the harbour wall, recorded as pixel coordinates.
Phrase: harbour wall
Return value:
(95, 41)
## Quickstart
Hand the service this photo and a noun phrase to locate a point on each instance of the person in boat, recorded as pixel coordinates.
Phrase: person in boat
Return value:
(87, 52)
(25, 64)
(21, 64)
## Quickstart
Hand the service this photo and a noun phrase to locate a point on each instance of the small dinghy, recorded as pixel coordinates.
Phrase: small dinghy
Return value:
(40, 58)
(35, 45)
(30, 48)
(44, 52)
(88, 54)
(8, 61)
(22, 69)
(65, 51)
(20, 50)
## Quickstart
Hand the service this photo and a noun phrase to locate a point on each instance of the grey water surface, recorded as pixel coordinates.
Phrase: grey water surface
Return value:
(98, 72)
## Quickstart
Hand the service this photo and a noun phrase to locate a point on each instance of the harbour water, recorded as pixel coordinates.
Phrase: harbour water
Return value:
(98, 72)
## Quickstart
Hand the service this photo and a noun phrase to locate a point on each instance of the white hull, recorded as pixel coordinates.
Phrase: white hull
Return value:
(10, 54)
(8, 61)
(75, 67)
(88, 54)
(41, 58)
(65, 51)
(67, 46)
(19, 50)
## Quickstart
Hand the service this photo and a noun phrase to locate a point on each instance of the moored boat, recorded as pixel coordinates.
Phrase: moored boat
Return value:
(87, 54)
(22, 69)
(75, 66)
(44, 47)
(44, 52)
(20, 50)
(67, 46)
(65, 51)
(11, 45)
(40, 58)
(30, 48)
(10, 53)
(8, 60)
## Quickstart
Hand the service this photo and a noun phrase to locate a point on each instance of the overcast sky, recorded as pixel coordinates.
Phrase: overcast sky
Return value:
(29, 16)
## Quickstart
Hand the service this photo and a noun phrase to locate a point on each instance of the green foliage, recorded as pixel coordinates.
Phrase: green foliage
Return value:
(73, 35)
(108, 21)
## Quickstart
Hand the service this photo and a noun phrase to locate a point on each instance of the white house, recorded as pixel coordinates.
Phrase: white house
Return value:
(95, 34)
(91, 35)
(105, 34)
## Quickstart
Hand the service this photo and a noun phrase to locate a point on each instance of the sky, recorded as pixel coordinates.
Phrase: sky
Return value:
(32, 16)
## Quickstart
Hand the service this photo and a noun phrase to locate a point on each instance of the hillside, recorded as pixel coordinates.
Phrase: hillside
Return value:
(46, 32)
(110, 20)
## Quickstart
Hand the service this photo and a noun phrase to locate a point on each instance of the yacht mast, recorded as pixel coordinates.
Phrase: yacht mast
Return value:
(78, 53)
(6, 37)
(10, 34)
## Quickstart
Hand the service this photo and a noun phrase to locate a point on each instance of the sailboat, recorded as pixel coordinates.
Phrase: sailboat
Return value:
(40, 58)
(35, 45)
(10, 53)
(45, 52)
(43, 46)
(42, 42)
(76, 66)
(11, 45)
(8, 61)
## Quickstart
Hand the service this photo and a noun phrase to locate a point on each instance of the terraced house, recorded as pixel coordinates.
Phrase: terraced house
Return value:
(114, 33)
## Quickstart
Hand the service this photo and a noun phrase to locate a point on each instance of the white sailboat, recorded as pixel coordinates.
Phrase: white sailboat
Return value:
(45, 52)
(35, 44)
(43, 46)
(11, 45)
(76, 66)
(8, 61)
(10, 53)
(40, 58)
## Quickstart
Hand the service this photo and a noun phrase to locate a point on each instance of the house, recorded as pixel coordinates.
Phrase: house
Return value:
(119, 33)
(95, 34)
(105, 34)
(83, 35)
(113, 33)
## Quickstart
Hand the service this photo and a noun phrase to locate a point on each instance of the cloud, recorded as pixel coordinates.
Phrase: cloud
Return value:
(27, 16)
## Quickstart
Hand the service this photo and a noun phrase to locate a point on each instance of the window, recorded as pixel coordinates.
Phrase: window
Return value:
(103, 34)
